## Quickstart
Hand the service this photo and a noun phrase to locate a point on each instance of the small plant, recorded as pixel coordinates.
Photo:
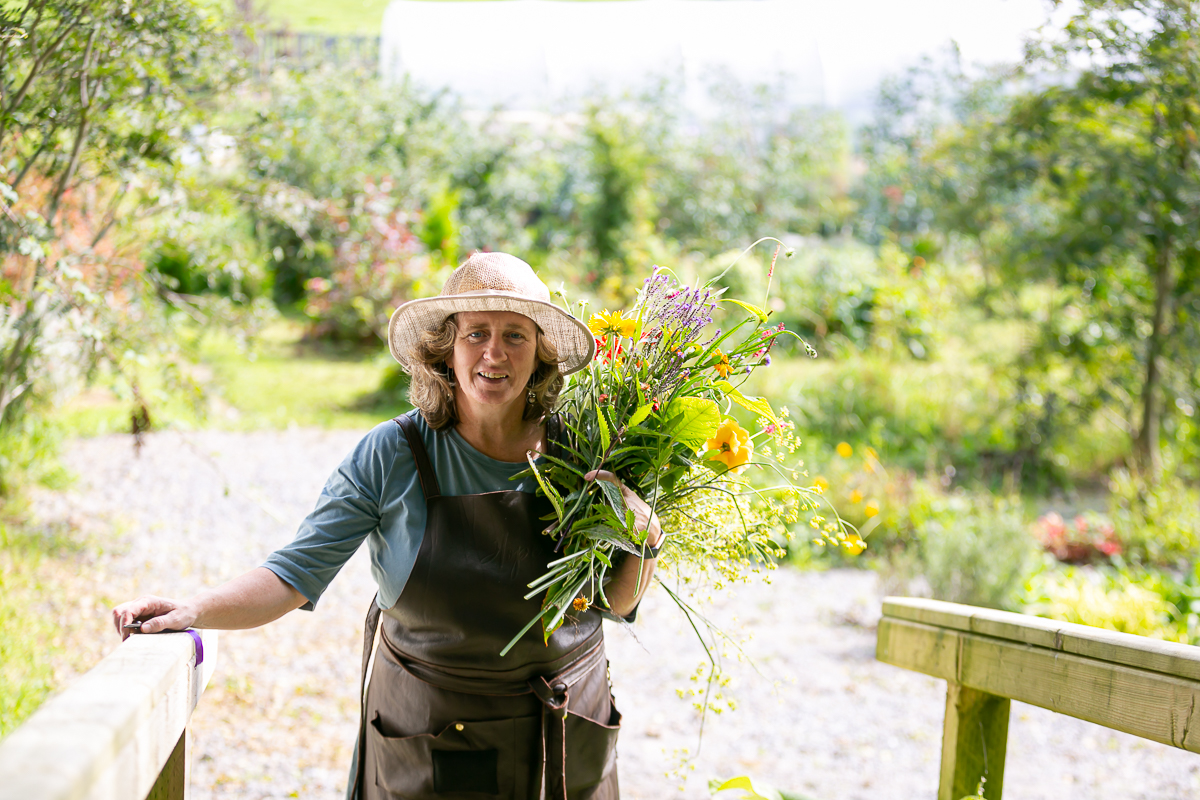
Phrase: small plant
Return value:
(1159, 523)
(971, 548)
(1104, 599)
(1089, 537)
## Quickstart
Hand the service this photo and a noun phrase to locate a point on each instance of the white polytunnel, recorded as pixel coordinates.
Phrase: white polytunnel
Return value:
(540, 54)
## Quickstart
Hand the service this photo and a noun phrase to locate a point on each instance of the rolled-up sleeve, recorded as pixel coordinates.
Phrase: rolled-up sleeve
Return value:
(347, 511)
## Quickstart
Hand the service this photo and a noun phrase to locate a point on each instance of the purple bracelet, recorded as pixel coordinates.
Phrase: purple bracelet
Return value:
(199, 646)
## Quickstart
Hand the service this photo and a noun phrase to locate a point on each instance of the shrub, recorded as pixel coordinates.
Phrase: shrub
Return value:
(972, 548)
(1158, 522)
(1111, 600)
(1089, 537)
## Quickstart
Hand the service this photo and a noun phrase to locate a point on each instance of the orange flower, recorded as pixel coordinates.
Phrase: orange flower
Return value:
(731, 445)
(614, 324)
(722, 366)
(580, 603)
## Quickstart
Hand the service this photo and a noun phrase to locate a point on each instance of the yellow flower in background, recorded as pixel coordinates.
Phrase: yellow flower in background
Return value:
(820, 484)
(872, 509)
(870, 451)
(731, 445)
(845, 450)
(612, 324)
(856, 496)
(722, 366)
(854, 545)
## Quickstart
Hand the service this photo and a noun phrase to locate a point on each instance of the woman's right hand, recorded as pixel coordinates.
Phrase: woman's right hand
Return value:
(157, 614)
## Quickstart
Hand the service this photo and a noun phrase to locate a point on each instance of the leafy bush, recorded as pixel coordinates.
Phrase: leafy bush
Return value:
(1158, 522)
(1089, 537)
(842, 294)
(972, 548)
(1104, 599)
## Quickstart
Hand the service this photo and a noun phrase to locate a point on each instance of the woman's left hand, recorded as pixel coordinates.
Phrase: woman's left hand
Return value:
(644, 517)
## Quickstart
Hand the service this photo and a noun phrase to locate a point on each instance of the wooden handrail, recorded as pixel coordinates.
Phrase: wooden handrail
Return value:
(117, 733)
(988, 658)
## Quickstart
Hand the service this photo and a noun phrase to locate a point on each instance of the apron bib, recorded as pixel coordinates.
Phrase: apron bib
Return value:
(444, 716)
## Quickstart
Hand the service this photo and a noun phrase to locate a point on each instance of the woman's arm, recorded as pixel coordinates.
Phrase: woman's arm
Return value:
(249, 600)
(631, 577)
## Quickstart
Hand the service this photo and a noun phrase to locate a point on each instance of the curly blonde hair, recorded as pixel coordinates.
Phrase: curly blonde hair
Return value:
(430, 389)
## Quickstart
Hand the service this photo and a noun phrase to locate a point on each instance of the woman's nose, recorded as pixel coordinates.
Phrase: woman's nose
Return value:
(495, 349)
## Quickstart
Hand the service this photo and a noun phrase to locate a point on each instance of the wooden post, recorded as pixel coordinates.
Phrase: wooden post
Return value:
(172, 781)
(974, 740)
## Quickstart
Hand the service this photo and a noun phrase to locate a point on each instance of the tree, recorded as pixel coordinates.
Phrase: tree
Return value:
(96, 100)
(1086, 175)
(1115, 151)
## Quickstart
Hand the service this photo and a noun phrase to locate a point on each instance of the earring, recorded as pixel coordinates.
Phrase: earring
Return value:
(530, 397)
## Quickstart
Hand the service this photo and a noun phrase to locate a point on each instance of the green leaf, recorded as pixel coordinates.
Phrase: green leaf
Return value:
(741, 782)
(551, 492)
(605, 436)
(692, 420)
(755, 310)
(639, 415)
(757, 405)
(606, 533)
(613, 495)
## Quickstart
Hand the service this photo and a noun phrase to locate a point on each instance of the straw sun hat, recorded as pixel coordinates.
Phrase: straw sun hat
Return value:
(493, 282)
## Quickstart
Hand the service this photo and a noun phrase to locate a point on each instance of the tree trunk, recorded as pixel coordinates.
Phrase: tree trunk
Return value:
(1146, 449)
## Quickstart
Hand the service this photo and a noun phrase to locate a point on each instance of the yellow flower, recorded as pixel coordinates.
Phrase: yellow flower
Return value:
(722, 366)
(856, 496)
(731, 445)
(845, 450)
(854, 545)
(580, 603)
(820, 484)
(872, 509)
(614, 324)
(870, 451)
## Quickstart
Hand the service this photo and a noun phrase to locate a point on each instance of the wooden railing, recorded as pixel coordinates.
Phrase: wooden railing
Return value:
(117, 733)
(988, 658)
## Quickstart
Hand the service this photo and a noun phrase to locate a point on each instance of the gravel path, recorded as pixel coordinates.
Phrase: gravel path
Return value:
(823, 720)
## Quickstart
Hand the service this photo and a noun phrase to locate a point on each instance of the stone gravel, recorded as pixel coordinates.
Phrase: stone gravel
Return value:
(817, 716)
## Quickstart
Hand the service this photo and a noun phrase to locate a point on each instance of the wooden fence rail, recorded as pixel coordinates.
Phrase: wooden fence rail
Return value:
(120, 731)
(988, 658)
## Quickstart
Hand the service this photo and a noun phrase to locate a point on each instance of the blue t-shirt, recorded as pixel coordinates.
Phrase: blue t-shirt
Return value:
(376, 495)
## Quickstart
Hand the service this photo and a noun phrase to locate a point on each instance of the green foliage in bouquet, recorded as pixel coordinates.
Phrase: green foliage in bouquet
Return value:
(653, 409)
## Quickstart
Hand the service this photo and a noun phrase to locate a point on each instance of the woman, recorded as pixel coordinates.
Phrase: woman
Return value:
(453, 543)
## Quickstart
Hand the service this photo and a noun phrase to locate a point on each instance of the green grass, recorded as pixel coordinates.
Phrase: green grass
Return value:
(361, 17)
(280, 381)
(30, 643)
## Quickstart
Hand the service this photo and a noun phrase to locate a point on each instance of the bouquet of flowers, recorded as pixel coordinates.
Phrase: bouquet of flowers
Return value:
(654, 408)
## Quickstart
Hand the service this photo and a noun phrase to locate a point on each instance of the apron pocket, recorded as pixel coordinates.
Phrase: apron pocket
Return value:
(467, 760)
(591, 749)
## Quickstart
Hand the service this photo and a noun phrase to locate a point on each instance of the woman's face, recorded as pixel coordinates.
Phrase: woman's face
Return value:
(494, 356)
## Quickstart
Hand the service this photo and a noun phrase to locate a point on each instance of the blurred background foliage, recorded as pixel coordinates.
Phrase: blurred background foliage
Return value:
(999, 270)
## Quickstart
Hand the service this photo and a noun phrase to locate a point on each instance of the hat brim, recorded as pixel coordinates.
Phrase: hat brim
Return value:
(574, 341)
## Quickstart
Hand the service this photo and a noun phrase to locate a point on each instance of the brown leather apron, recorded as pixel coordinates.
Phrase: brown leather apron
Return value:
(444, 715)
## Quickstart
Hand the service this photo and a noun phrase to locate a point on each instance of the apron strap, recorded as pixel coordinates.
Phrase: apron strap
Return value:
(429, 482)
(370, 627)
(554, 697)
